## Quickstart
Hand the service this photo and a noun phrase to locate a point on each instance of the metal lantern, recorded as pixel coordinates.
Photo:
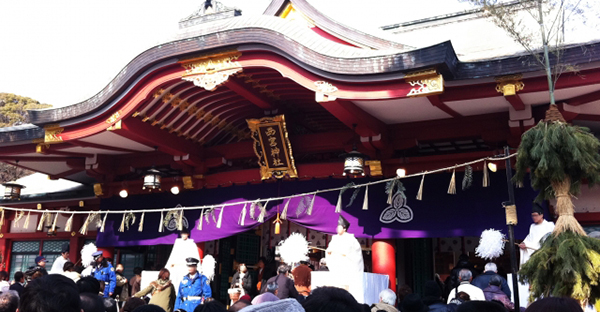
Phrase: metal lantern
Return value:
(12, 190)
(354, 163)
(152, 179)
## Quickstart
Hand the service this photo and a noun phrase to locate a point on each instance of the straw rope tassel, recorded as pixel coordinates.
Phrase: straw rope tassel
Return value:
(312, 204)
(160, 224)
(486, 175)
(285, 209)
(220, 218)
(122, 227)
(53, 228)
(19, 215)
(452, 186)
(391, 193)
(420, 193)
(252, 210)
(180, 221)
(200, 221)
(242, 218)
(85, 225)
(103, 223)
(69, 223)
(366, 200)
(141, 226)
(263, 213)
(42, 219)
(26, 224)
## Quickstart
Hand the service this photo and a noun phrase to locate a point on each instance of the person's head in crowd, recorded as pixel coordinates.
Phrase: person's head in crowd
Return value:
(413, 303)
(79, 269)
(137, 271)
(555, 304)
(149, 308)
(432, 291)
(4, 276)
(68, 267)
(238, 305)
(185, 234)
(88, 284)
(41, 261)
(403, 291)
(323, 262)
(9, 301)
(496, 280)
(50, 293)
(91, 302)
(387, 296)
(131, 304)
(211, 306)
(119, 268)
(19, 277)
(463, 296)
(283, 269)
(192, 264)
(331, 299)
(272, 288)
(110, 305)
(64, 252)
(482, 306)
(491, 267)
(266, 297)
(465, 275)
(242, 268)
(164, 274)
(262, 261)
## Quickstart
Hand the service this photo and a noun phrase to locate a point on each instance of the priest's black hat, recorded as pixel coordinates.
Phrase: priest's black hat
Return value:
(537, 208)
(185, 230)
(343, 222)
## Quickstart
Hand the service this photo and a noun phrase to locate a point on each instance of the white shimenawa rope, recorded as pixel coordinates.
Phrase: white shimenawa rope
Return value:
(208, 207)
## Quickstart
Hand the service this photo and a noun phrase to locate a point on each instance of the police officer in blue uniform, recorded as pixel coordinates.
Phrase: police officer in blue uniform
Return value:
(104, 272)
(193, 289)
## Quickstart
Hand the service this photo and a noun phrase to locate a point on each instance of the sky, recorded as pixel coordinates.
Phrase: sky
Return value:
(62, 52)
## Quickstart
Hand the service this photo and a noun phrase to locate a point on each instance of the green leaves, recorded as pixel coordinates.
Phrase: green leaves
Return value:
(567, 265)
(552, 151)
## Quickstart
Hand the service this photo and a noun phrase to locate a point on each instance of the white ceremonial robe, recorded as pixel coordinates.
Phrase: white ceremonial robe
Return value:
(346, 254)
(536, 233)
(177, 266)
(57, 266)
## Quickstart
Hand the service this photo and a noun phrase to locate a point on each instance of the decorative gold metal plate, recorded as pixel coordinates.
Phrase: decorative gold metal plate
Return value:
(272, 147)
(211, 71)
(510, 84)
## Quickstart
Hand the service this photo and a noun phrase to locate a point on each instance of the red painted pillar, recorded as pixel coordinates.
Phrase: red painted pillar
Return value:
(383, 255)
(107, 252)
(201, 247)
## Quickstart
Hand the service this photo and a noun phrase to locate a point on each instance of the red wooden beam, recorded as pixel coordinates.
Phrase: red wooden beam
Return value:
(65, 174)
(135, 129)
(248, 94)
(35, 158)
(515, 101)
(100, 146)
(435, 101)
(350, 114)
(584, 99)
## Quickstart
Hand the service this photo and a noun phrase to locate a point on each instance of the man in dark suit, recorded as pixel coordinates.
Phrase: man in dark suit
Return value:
(19, 281)
(286, 287)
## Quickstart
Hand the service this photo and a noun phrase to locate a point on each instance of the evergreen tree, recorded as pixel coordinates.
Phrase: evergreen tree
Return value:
(13, 112)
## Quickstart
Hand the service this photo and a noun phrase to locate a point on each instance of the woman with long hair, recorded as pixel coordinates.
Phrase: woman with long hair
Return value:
(242, 279)
(163, 292)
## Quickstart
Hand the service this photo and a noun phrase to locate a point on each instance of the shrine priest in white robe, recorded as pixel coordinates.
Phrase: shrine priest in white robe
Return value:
(344, 253)
(183, 248)
(59, 262)
(538, 230)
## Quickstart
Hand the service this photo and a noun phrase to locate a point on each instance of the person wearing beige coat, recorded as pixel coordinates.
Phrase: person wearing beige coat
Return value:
(163, 292)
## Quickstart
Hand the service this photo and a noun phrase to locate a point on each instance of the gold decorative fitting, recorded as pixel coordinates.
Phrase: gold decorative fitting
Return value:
(116, 126)
(155, 122)
(39, 206)
(192, 110)
(188, 182)
(208, 117)
(52, 133)
(135, 114)
(420, 74)
(167, 97)
(97, 189)
(324, 91)
(145, 118)
(73, 233)
(200, 113)
(426, 86)
(272, 147)
(222, 124)
(374, 167)
(176, 102)
(42, 148)
(215, 121)
(158, 93)
(183, 106)
(114, 117)
(509, 85)
(211, 71)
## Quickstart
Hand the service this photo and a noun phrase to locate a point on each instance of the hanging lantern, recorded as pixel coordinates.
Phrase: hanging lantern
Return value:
(152, 179)
(12, 190)
(354, 163)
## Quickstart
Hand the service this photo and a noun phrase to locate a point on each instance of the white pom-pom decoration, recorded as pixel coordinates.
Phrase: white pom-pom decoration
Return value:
(294, 249)
(208, 267)
(491, 244)
(86, 254)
